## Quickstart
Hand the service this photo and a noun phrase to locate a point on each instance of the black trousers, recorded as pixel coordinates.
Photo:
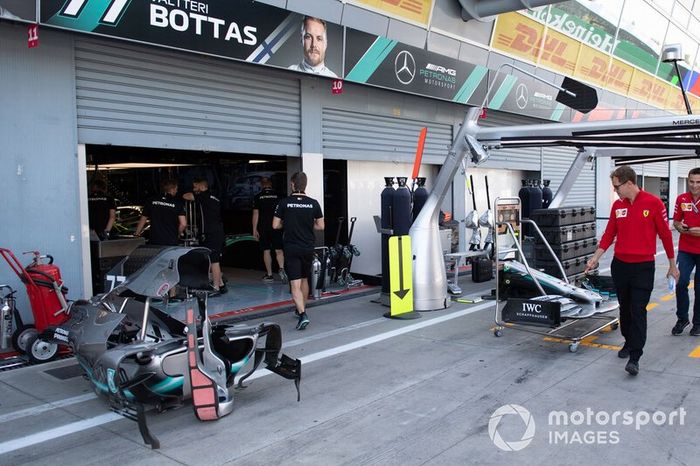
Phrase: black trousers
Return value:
(634, 283)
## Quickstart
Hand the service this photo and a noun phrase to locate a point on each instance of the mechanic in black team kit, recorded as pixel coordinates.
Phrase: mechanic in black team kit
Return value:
(102, 210)
(167, 214)
(211, 229)
(264, 205)
(299, 215)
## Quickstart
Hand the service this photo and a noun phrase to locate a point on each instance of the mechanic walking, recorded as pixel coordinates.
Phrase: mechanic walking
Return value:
(211, 229)
(636, 219)
(299, 215)
(264, 205)
(686, 219)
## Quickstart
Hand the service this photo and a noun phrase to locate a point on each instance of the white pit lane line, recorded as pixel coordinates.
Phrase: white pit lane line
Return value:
(78, 426)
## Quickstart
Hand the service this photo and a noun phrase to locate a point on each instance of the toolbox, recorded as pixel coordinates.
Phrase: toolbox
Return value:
(482, 269)
(563, 216)
(566, 234)
(566, 251)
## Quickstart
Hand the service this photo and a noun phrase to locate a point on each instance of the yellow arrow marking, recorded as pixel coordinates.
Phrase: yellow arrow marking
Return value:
(668, 297)
(651, 306)
(695, 353)
(400, 274)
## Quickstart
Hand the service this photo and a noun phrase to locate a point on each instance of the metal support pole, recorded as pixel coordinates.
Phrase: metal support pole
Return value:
(429, 277)
(680, 81)
(571, 176)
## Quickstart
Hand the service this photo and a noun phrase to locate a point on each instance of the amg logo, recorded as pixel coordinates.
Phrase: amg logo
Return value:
(441, 69)
(688, 121)
(532, 307)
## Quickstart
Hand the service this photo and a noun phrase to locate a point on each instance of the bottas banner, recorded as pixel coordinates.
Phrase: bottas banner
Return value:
(239, 29)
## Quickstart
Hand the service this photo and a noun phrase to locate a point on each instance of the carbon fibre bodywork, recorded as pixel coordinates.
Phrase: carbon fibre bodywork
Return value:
(137, 356)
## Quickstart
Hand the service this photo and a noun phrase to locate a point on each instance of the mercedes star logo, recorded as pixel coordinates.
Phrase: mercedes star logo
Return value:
(521, 96)
(405, 67)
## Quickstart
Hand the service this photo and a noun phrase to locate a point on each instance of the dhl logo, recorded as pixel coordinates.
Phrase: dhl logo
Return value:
(414, 6)
(528, 41)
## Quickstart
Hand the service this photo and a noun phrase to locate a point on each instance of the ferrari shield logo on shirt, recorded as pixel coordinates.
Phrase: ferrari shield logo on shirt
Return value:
(645, 213)
(620, 213)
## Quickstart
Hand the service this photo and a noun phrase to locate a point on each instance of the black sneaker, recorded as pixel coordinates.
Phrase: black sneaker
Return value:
(679, 327)
(695, 331)
(624, 353)
(303, 321)
(632, 367)
(223, 289)
(268, 278)
(283, 276)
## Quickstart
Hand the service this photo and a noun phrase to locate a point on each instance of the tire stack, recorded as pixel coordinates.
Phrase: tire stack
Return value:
(571, 232)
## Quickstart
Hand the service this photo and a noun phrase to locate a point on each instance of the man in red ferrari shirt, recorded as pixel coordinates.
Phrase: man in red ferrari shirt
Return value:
(636, 218)
(686, 219)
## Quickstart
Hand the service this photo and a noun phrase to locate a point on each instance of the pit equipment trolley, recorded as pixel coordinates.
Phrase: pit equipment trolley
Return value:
(553, 308)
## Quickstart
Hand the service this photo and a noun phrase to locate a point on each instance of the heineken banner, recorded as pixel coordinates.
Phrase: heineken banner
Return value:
(18, 10)
(239, 29)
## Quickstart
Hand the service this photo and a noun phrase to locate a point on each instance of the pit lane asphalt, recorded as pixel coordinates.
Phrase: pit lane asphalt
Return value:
(381, 391)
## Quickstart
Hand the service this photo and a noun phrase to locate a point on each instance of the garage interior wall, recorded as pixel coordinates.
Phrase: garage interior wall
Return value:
(38, 158)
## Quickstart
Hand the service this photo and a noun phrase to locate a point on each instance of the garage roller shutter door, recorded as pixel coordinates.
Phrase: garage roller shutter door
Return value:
(513, 159)
(556, 162)
(657, 169)
(359, 136)
(148, 97)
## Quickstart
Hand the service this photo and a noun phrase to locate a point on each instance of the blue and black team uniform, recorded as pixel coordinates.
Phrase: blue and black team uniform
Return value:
(211, 226)
(99, 205)
(164, 213)
(298, 213)
(266, 203)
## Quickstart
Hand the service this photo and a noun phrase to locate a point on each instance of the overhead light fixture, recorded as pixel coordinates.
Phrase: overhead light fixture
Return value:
(132, 165)
(258, 161)
(673, 53)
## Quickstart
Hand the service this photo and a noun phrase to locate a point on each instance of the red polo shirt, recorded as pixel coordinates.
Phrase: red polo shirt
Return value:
(636, 224)
(688, 211)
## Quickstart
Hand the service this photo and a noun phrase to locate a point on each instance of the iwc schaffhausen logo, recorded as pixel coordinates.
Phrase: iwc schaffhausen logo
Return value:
(405, 67)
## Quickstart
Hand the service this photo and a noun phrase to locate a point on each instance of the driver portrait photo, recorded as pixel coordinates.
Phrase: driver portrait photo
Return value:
(314, 40)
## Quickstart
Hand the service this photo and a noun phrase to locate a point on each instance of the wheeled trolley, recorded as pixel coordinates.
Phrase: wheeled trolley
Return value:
(537, 302)
(47, 298)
